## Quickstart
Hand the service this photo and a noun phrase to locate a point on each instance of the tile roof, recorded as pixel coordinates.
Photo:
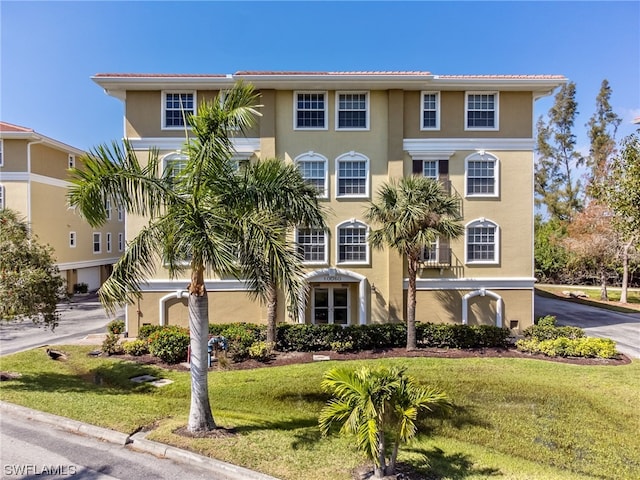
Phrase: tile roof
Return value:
(368, 73)
(9, 127)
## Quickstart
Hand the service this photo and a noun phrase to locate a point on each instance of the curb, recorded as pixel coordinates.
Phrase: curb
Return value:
(137, 442)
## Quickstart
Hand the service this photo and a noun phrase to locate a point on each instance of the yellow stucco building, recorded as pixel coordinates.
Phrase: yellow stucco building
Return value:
(34, 182)
(349, 132)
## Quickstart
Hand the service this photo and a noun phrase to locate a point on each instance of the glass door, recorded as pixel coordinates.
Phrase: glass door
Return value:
(330, 305)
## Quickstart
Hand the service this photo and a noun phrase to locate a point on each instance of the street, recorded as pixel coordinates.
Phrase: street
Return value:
(623, 328)
(78, 319)
(29, 450)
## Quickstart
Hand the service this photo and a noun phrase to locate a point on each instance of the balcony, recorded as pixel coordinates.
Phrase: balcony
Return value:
(436, 257)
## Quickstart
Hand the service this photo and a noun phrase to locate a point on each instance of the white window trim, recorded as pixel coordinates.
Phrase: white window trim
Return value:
(482, 222)
(120, 212)
(72, 161)
(295, 110)
(93, 243)
(426, 247)
(163, 110)
(351, 156)
(1, 152)
(496, 127)
(368, 110)
(3, 200)
(481, 155)
(108, 208)
(437, 162)
(314, 157)
(352, 223)
(108, 242)
(172, 157)
(73, 240)
(421, 120)
(120, 242)
(326, 250)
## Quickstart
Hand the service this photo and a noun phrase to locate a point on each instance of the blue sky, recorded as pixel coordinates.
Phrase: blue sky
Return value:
(49, 50)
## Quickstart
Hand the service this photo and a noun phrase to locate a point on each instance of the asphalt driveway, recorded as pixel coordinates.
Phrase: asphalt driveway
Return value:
(623, 328)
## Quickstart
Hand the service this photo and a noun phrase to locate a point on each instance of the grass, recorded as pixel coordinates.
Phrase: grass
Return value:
(514, 419)
(632, 305)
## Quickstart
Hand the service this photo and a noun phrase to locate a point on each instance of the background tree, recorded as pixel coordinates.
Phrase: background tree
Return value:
(30, 282)
(192, 227)
(380, 407)
(594, 242)
(555, 184)
(412, 213)
(602, 132)
(622, 195)
(551, 256)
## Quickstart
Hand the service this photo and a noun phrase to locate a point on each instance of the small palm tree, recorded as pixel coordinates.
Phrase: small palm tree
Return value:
(194, 226)
(380, 407)
(413, 212)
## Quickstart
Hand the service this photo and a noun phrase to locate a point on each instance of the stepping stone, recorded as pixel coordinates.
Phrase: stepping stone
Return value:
(161, 382)
(321, 358)
(144, 378)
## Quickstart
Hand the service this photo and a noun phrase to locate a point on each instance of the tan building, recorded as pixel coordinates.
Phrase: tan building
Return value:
(349, 132)
(34, 182)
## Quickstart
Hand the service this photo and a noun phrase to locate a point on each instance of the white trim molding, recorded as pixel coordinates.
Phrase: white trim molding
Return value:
(482, 293)
(244, 148)
(219, 285)
(496, 283)
(467, 144)
(87, 263)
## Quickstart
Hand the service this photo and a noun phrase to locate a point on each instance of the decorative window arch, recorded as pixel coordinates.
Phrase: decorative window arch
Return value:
(314, 169)
(352, 242)
(482, 242)
(482, 175)
(173, 164)
(482, 293)
(352, 175)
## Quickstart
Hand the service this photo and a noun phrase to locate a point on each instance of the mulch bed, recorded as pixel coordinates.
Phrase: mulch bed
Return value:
(292, 358)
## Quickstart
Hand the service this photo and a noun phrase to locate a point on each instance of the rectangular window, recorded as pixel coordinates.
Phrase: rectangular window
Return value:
(72, 161)
(352, 111)
(108, 242)
(72, 239)
(97, 242)
(120, 242)
(120, 212)
(481, 179)
(107, 207)
(352, 178)
(430, 111)
(176, 108)
(430, 169)
(352, 244)
(310, 110)
(314, 173)
(482, 111)
(481, 246)
(312, 245)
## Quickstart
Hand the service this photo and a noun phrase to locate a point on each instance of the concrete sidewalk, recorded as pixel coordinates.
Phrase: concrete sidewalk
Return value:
(136, 442)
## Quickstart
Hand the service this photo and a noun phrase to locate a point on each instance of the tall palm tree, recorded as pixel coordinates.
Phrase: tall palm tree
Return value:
(380, 406)
(192, 225)
(280, 190)
(412, 213)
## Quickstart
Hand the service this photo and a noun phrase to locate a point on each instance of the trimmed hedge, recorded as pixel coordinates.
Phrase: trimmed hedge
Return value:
(570, 347)
(170, 344)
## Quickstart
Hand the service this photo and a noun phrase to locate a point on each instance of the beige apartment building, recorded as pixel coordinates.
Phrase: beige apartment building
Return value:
(34, 181)
(349, 132)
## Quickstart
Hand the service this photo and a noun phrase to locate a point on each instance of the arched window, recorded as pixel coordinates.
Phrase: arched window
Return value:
(352, 175)
(313, 168)
(174, 164)
(482, 175)
(482, 242)
(353, 245)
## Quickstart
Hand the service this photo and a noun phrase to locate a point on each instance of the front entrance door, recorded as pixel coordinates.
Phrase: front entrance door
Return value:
(330, 305)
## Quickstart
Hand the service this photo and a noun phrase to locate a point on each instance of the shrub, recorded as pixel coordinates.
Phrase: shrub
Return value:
(80, 288)
(170, 344)
(342, 347)
(570, 347)
(544, 332)
(547, 321)
(135, 347)
(116, 327)
(261, 351)
(111, 344)
(239, 338)
(146, 330)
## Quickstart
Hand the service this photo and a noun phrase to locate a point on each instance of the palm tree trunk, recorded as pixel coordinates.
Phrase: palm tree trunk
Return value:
(391, 469)
(411, 306)
(200, 416)
(379, 469)
(272, 306)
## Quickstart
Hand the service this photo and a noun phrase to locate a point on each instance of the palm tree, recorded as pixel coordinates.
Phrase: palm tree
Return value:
(280, 190)
(193, 226)
(380, 407)
(413, 212)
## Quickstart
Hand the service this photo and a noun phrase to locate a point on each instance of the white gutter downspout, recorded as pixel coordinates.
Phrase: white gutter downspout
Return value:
(163, 300)
(29, 178)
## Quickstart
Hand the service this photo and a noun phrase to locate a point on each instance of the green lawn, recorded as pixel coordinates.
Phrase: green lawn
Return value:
(513, 418)
(632, 305)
